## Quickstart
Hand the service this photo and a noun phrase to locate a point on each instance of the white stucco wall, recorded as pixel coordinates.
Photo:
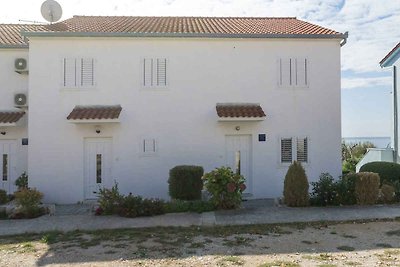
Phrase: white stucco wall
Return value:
(11, 83)
(201, 73)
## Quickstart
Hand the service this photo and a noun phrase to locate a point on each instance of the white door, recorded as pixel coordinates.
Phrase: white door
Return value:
(8, 165)
(238, 156)
(97, 164)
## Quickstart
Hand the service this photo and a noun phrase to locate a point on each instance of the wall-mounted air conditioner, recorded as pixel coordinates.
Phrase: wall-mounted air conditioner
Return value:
(21, 65)
(20, 100)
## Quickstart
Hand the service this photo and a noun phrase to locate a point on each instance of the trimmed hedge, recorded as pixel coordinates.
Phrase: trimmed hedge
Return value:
(185, 182)
(388, 171)
(367, 188)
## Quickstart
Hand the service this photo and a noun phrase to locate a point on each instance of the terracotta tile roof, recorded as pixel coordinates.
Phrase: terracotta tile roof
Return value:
(188, 25)
(94, 112)
(10, 34)
(390, 53)
(239, 110)
(10, 116)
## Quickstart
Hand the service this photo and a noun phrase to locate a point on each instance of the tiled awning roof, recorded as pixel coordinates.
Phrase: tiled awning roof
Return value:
(239, 110)
(10, 117)
(95, 113)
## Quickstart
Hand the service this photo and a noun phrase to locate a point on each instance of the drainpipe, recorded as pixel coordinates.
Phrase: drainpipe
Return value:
(395, 117)
(344, 41)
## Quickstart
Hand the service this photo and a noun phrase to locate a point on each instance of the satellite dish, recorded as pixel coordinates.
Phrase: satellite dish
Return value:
(51, 11)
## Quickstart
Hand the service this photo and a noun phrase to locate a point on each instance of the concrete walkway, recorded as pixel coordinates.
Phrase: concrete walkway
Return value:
(250, 214)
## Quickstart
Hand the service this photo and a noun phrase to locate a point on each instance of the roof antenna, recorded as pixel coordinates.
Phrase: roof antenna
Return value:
(51, 11)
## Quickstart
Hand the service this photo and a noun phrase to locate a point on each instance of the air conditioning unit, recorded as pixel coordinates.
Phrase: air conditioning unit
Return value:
(21, 65)
(20, 100)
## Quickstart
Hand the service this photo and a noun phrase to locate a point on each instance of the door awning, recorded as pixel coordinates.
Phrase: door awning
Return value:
(95, 114)
(10, 118)
(240, 112)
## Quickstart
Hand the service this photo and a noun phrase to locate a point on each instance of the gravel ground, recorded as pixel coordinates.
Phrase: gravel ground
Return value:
(312, 244)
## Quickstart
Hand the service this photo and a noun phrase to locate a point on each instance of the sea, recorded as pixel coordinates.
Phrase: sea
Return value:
(379, 142)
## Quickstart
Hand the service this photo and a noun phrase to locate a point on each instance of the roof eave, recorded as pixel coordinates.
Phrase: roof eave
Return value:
(387, 62)
(7, 46)
(181, 35)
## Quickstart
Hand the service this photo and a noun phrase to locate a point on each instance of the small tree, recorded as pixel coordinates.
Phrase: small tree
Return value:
(295, 190)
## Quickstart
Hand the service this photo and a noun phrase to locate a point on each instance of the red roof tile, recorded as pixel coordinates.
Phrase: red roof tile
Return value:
(390, 53)
(94, 112)
(233, 110)
(10, 34)
(10, 116)
(187, 25)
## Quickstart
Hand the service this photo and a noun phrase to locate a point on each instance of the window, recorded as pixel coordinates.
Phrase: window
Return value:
(149, 146)
(302, 150)
(98, 168)
(155, 72)
(286, 150)
(78, 72)
(293, 72)
(5, 167)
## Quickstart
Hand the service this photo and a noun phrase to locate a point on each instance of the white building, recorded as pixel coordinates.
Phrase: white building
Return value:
(391, 60)
(125, 99)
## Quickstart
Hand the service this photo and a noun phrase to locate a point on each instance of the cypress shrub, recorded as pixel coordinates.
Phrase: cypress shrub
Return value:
(185, 182)
(295, 190)
(367, 188)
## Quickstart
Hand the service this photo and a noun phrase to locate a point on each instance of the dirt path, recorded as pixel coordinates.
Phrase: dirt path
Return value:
(317, 244)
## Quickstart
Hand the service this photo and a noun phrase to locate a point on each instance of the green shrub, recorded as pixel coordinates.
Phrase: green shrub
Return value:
(389, 173)
(152, 206)
(367, 188)
(387, 193)
(324, 191)
(109, 200)
(198, 206)
(28, 201)
(22, 181)
(3, 197)
(345, 188)
(185, 182)
(295, 189)
(225, 187)
(134, 206)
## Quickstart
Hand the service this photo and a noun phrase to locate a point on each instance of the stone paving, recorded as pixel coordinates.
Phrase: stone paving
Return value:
(253, 212)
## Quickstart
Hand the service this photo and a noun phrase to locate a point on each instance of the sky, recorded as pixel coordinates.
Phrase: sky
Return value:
(373, 27)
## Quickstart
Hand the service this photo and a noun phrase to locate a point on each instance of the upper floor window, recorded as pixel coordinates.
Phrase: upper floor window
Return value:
(155, 72)
(78, 72)
(293, 72)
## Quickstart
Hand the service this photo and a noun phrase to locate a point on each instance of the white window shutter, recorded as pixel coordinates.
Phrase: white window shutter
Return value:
(285, 69)
(86, 72)
(161, 79)
(302, 149)
(148, 72)
(286, 150)
(149, 145)
(69, 72)
(301, 72)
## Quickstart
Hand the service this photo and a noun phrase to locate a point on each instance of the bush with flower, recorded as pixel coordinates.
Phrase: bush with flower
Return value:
(225, 187)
